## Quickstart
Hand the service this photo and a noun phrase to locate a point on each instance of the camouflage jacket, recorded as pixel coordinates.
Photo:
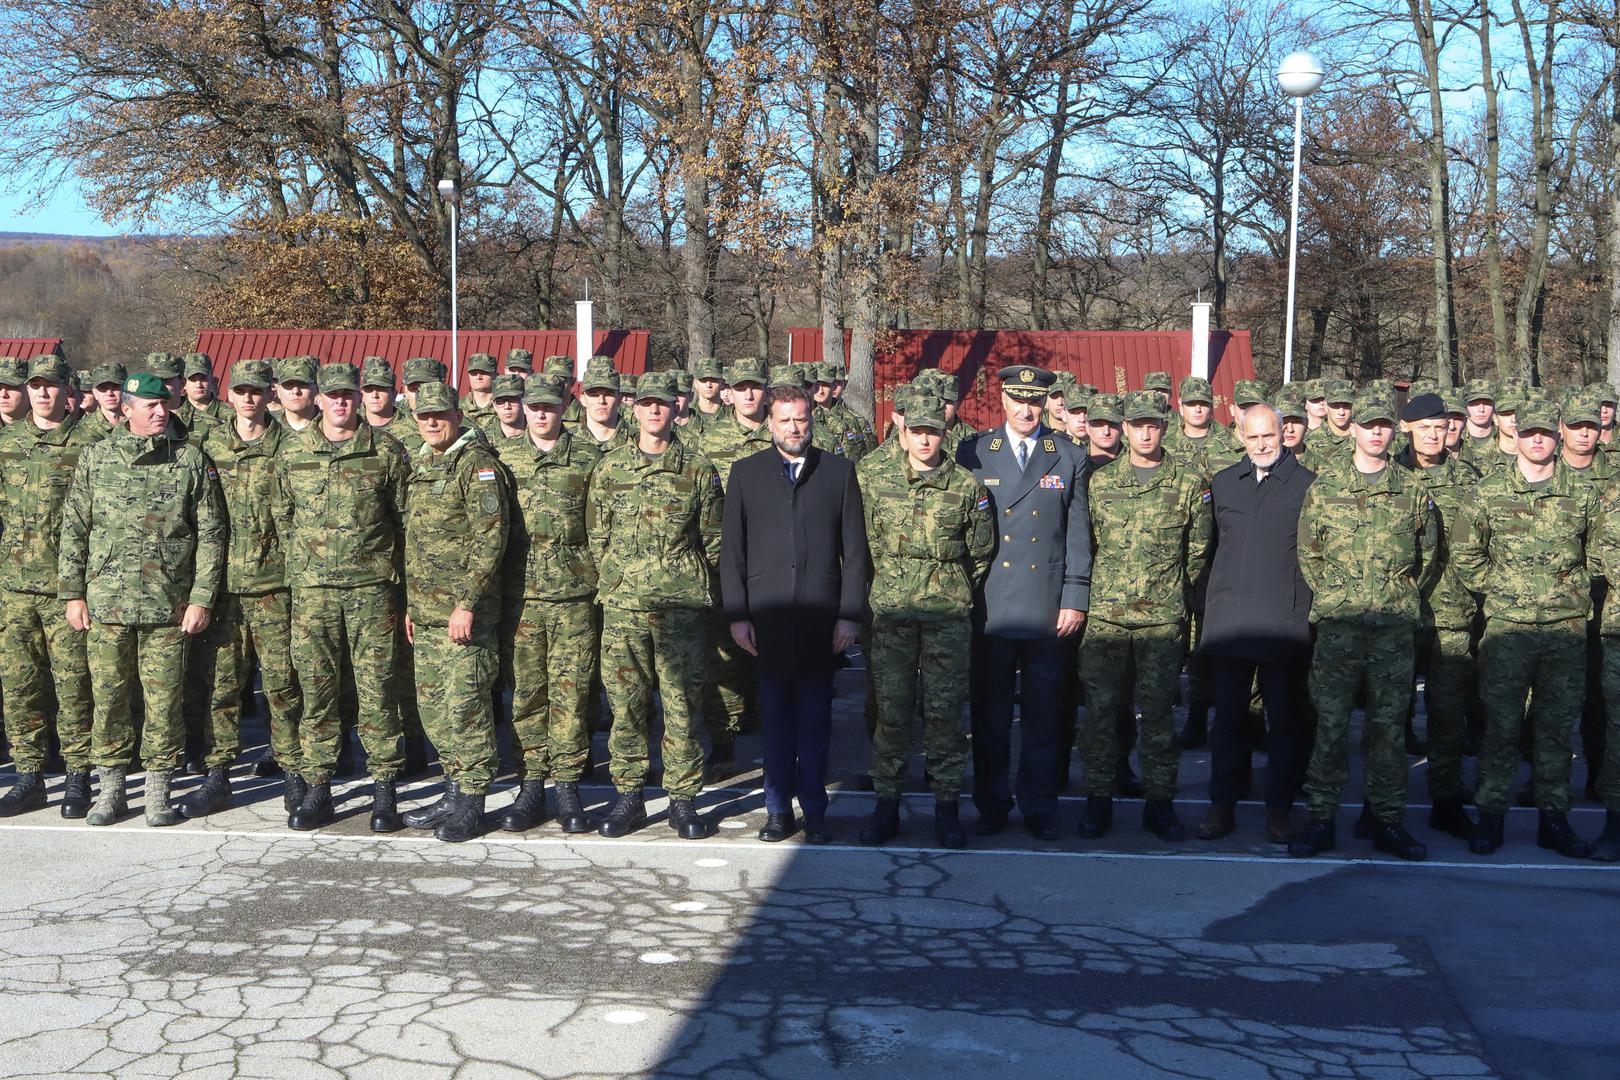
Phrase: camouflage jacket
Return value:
(725, 442)
(143, 531)
(339, 507)
(1365, 546)
(36, 468)
(1215, 451)
(843, 431)
(1480, 453)
(548, 544)
(930, 536)
(403, 427)
(654, 528)
(254, 562)
(96, 427)
(476, 414)
(1525, 551)
(455, 531)
(215, 412)
(1150, 541)
(1447, 603)
(623, 434)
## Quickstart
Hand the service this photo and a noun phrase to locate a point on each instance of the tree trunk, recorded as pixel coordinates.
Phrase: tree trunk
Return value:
(1313, 356)
(979, 239)
(1614, 210)
(1445, 316)
(1543, 118)
(864, 303)
(1501, 358)
(697, 258)
(1046, 208)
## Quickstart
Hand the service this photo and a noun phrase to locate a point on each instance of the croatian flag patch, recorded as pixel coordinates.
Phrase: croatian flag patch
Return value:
(486, 474)
(1052, 481)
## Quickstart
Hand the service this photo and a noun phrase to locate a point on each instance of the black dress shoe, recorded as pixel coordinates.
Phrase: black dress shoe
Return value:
(1363, 828)
(778, 827)
(883, 825)
(686, 821)
(1487, 834)
(816, 831)
(1555, 834)
(991, 823)
(1041, 827)
(1218, 822)
(1316, 837)
(1159, 818)
(1098, 817)
(1449, 816)
(1391, 838)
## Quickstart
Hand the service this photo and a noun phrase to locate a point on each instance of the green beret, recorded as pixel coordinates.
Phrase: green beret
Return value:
(147, 384)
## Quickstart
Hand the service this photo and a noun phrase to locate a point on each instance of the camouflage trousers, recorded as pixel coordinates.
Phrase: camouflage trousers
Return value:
(453, 684)
(1447, 664)
(402, 689)
(1608, 784)
(1348, 651)
(362, 622)
(554, 650)
(156, 657)
(245, 628)
(728, 684)
(919, 666)
(39, 648)
(1547, 662)
(641, 649)
(1126, 669)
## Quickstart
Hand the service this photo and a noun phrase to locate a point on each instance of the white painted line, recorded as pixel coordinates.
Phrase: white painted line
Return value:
(710, 864)
(624, 1016)
(658, 958)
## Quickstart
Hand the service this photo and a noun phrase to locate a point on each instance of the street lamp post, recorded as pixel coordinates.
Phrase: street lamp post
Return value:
(1300, 76)
(452, 197)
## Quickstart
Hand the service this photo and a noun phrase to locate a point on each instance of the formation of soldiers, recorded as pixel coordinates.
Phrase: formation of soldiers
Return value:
(423, 550)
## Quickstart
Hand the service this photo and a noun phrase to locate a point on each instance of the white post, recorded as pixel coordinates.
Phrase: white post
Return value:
(1293, 242)
(584, 337)
(455, 372)
(1200, 339)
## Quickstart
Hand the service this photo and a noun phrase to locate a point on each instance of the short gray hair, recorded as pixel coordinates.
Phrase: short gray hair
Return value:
(1260, 407)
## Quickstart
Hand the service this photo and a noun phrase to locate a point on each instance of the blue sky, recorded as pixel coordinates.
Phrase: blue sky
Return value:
(63, 212)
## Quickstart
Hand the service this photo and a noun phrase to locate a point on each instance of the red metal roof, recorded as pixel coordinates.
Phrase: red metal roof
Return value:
(27, 348)
(1112, 360)
(224, 347)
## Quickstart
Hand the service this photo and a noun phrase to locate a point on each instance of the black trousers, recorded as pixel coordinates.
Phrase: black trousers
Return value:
(1033, 668)
(796, 727)
(1282, 688)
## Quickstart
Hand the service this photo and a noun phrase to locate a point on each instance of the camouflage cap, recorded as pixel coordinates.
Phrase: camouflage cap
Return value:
(1025, 382)
(435, 397)
(197, 363)
(81, 381)
(111, 372)
(600, 374)
(1512, 395)
(1196, 391)
(519, 360)
(422, 369)
(1479, 390)
(374, 372)
(1291, 404)
(1105, 408)
(683, 381)
(707, 367)
(926, 411)
(657, 386)
(558, 365)
(1581, 406)
(1144, 404)
(507, 386)
(1309, 389)
(1455, 405)
(340, 376)
(1537, 414)
(1338, 392)
(903, 397)
(748, 369)
(1603, 392)
(1157, 380)
(1078, 402)
(147, 384)
(787, 375)
(1371, 406)
(1064, 386)
(163, 365)
(1087, 388)
(834, 372)
(546, 389)
(815, 372)
(482, 362)
(299, 369)
(13, 372)
(51, 368)
(254, 373)
(1249, 392)
(1419, 387)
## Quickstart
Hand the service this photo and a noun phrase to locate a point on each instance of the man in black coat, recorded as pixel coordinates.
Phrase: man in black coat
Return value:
(793, 573)
(1257, 623)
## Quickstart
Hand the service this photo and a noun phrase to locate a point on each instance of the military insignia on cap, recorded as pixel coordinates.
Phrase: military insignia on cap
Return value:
(1026, 375)
(131, 385)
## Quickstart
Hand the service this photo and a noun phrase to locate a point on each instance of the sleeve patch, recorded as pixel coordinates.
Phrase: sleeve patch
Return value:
(486, 474)
(984, 503)
(213, 473)
(1205, 497)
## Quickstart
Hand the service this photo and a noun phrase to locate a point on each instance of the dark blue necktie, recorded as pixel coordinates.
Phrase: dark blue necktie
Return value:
(790, 469)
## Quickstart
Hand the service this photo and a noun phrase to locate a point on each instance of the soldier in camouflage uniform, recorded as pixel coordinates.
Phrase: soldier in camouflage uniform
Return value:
(338, 496)
(1367, 534)
(708, 384)
(1333, 437)
(1315, 400)
(1159, 383)
(1296, 426)
(455, 538)
(929, 528)
(201, 404)
(38, 456)
(107, 393)
(295, 389)
(600, 419)
(1150, 524)
(520, 362)
(478, 406)
(141, 563)
(869, 440)
(1445, 635)
(253, 615)
(505, 420)
(377, 399)
(13, 390)
(837, 418)
(653, 518)
(1581, 450)
(555, 633)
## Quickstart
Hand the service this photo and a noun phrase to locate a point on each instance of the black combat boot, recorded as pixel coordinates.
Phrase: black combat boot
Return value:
(948, 831)
(1098, 817)
(1607, 847)
(429, 816)
(883, 825)
(1316, 837)
(1555, 834)
(1450, 816)
(267, 768)
(1391, 838)
(212, 795)
(1363, 828)
(686, 821)
(316, 809)
(385, 807)
(466, 819)
(76, 794)
(293, 790)
(28, 793)
(1159, 818)
(570, 814)
(528, 809)
(628, 814)
(1487, 834)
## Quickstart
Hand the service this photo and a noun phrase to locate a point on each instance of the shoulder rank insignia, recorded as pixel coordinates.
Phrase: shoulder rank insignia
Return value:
(995, 443)
(1049, 446)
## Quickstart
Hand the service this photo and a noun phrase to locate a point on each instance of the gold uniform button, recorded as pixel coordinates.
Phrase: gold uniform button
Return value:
(1034, 513)
(1006, 539)
(1032, 566)
(1008, 512)
(1006, 565)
